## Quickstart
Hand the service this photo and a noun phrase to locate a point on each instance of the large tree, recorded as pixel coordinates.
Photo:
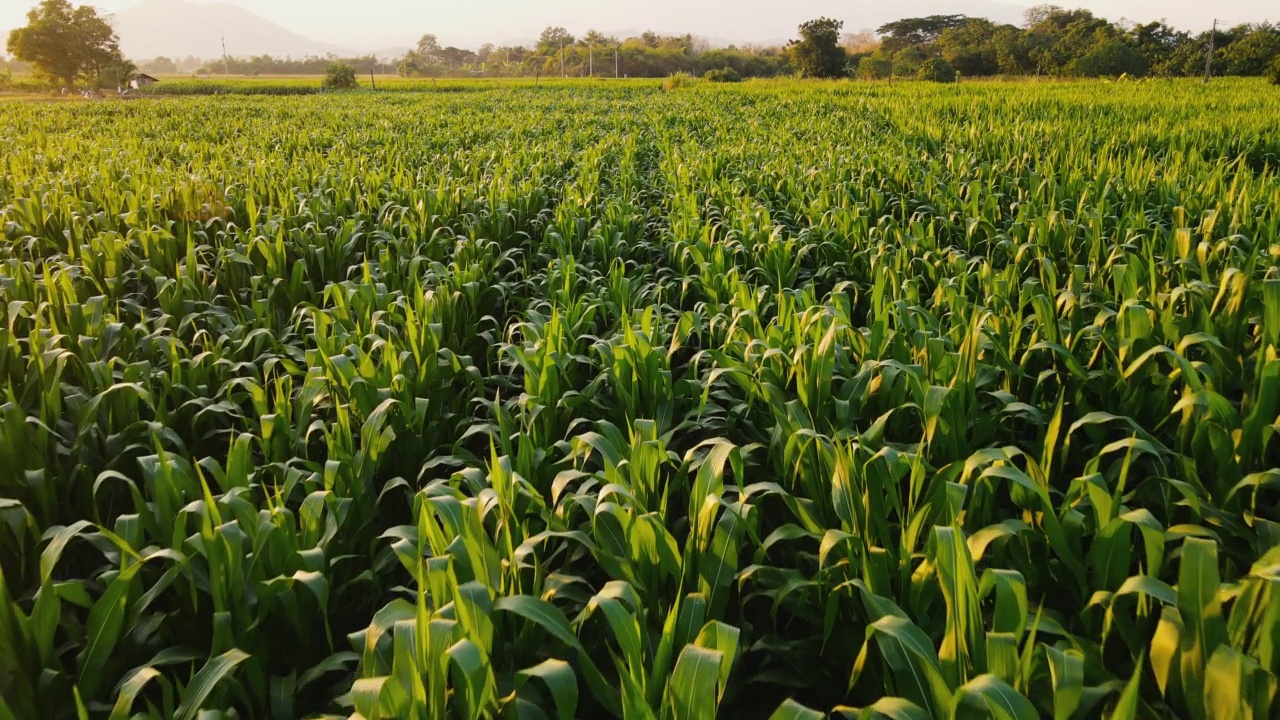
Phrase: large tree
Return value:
(67, 43)
(971, 47)
(818, 53)
(916, 31)
(553, 40)
(1252, 49)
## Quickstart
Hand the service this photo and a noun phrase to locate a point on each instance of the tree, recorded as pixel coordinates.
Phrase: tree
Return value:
(114, 72)
(339, 76)
(160, 66)
(937, 70)
(553, 40)
(1273, 73)
(874, 67)
(1011, 50)
(818, 52)
(1056, 38)
(1159, 43)
(66, 43)
(595, 39)
(971, 47)
(917, 31)
(911, 58)
(456, 58)
(429, 47)
(1252, 51)
(1111, 58)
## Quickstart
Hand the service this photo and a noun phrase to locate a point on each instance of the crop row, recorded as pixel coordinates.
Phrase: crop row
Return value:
(788, 399)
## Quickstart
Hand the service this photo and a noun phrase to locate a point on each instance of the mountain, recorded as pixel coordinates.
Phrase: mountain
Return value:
(177, 28)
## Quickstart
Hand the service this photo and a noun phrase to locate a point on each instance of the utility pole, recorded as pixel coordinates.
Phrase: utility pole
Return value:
(562, 62)
(591, 60)
(1208, 56)
(226, 64)
(615, 62)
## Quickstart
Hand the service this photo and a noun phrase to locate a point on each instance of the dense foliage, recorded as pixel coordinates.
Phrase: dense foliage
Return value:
(590, 400)
(1052, 41)
(817, 54)
(725, 74)
(1056, 41)
(339, 76)
(937, 70)
(68, 45)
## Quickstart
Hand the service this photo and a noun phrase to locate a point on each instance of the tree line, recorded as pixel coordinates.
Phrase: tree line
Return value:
(556, 53)
(70, 45)
(1052, 41)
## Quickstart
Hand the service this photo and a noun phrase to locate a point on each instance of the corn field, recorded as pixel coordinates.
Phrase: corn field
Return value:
(781, 400)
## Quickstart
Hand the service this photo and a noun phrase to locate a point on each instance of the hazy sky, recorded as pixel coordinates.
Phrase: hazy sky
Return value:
(370, 23)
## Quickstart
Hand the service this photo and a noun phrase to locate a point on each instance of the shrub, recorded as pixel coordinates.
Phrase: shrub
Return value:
(339, 76)
(937, 70)
(676, 80)
(1273, 72)
(726, 74)
(1111, 59)
(873, 68)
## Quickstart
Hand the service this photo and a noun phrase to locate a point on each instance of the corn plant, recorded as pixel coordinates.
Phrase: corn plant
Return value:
(783, 400)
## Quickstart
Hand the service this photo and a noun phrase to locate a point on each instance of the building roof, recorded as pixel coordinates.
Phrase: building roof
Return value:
(144, 76)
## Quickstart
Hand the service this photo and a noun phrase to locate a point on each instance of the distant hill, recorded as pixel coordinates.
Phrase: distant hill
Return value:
(181, 28)
(177, 28)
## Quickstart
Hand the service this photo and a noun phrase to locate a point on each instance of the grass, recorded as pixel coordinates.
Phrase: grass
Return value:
(779, 399)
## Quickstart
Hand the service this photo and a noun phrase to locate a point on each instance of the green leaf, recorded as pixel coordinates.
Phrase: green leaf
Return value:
(990, 694)
(1236, 687)
(792, 710)
(472, 679)
(560, 680)
(1127, 707)
(106, 622)
(912, 661)
(894, 708)
(541, 613)
(202, 685)
(1204, 628)
(694, 689)
(366, 696)
(1066, 672)
(129, 689)
(963, 653)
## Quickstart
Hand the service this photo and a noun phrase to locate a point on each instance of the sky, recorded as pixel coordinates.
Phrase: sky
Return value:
(370, 24)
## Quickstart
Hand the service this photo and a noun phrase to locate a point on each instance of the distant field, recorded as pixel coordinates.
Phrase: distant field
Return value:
(307, 84)
(185, 84)
(582, 399)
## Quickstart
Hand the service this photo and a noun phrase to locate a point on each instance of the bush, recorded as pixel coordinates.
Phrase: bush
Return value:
(1111, 59)
(726, 74)
(339, 76)
(1273, 73)
(873, 68)
(676, 80)
(937, 70)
